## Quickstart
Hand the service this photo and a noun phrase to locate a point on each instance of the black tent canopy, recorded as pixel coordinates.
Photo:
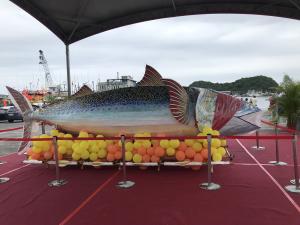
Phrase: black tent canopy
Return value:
(73, 20)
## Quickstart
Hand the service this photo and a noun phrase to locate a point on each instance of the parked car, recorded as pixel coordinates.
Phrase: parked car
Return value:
(3, 114)
(14, 114)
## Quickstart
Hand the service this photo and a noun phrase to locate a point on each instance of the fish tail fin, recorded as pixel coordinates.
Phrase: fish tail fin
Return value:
(24, 106)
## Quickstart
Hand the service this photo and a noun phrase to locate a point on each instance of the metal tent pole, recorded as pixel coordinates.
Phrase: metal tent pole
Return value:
(68, 70)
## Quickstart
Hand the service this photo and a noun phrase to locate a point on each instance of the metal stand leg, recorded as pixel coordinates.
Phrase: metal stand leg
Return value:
(296, 187)
(277, 162)
(257, 147)
(58, 182)
(209, 185)
(43, 128)
(125, 183)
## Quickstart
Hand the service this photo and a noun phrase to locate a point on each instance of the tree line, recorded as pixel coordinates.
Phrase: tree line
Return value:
(241, 86)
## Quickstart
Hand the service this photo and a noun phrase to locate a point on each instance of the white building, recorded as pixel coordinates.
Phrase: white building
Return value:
(111, 84)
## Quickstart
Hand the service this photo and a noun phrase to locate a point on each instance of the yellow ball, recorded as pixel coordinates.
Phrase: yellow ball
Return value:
(102, 144)
(78, 150)
(61, 135)
(189, 142)
(146, 134)
(216, 157)
(75, 156)
(69, 151)
(102, 153)
(215, 133)
(83, 134)
(44, 136)
(207, 130)
(62, 143)
(201, 135)
(170, 151)
(137, 144)
(69, 144)
(213, 151)
(93, 156)
(129, 146)
(108, 142)
(45, 146)
(221, 151)
(84, 145)
(68, 136)
(137, 158)
(85, 154)
(128, 156)
(205, 143)
(54, 133)
(146, 143)
(197, 146)
(223, 142)
(36, 149)
(174, 143)
(164, 144)
(94, 149)
(75, 145)
(62, 149)
(215, 142)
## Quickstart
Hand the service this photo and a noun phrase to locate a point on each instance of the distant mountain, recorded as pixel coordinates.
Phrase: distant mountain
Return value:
(241, 86)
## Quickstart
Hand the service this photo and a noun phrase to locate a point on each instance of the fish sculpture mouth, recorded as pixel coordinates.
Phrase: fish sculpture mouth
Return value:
(155, 105)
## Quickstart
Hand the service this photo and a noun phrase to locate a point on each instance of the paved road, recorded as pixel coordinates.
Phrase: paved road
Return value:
(10, 147)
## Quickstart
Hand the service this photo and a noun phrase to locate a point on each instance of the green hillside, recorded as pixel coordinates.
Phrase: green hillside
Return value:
(241, 86)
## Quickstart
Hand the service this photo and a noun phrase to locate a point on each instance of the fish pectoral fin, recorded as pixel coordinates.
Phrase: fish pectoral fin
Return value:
(151, 78)
(84, 90)
(179, 101)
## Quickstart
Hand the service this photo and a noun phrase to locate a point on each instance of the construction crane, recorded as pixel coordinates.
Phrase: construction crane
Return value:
(48, 78)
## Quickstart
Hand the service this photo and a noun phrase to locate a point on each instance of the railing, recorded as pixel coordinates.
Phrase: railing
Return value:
(125, 183)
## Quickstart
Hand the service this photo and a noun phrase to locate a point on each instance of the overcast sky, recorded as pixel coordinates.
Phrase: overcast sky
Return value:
(217, 48)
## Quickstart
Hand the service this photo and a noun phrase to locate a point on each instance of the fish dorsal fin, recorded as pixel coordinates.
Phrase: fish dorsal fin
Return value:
(84, 90)
(151, 78)
(179, 100)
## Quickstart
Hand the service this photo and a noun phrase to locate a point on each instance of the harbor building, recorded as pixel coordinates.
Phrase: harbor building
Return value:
(111, 84)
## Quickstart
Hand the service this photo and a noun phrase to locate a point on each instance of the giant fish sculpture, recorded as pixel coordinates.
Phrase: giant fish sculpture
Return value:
(155, 105)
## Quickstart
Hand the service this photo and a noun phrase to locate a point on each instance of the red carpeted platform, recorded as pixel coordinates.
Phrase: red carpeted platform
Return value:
(252, 192)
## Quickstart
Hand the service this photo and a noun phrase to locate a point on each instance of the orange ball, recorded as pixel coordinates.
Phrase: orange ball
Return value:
(112, 148)
(154, 158)
(146, 158)
(29, 151)
(198, 157)
(182, 146)
(204, 153)
(110, 157)
(180, 156)
(59, 156)
(150, 151)
(142, 150)
(118, 155)
(155, 143)
(190, 153)
(159, 151)
(48, 155)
